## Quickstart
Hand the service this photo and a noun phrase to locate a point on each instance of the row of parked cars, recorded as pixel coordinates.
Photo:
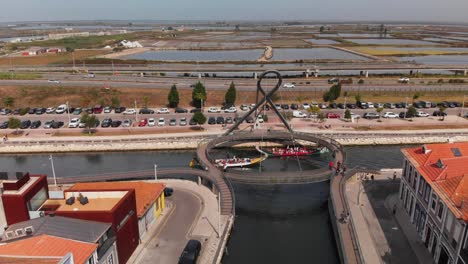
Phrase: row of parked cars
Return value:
(374, 115)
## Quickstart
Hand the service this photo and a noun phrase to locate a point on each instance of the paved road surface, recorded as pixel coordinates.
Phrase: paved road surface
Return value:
(173, 234)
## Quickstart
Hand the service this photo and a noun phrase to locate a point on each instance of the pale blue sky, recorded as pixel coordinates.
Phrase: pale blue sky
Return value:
(343, 10)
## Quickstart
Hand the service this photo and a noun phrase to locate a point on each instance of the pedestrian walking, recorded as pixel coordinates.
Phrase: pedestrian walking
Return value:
(394, 175)
(372, 178)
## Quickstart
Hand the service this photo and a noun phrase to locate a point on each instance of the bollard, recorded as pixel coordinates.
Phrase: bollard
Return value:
(367, 74)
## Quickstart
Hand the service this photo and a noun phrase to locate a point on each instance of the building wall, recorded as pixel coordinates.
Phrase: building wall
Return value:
(110, 253)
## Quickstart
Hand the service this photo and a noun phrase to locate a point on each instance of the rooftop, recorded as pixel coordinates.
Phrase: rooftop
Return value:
(444, 168)
(65, 227)
(97, 204)
(29, 260)
(49, 246)
(145, 192)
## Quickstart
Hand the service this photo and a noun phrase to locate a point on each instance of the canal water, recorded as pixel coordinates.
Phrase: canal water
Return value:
(274, 223)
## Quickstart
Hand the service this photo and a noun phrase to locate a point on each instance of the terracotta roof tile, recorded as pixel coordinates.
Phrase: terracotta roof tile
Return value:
(49, 246)
(145, 192)
(29, 260)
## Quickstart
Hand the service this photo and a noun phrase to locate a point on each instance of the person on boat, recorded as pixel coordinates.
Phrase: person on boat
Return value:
(330, 165)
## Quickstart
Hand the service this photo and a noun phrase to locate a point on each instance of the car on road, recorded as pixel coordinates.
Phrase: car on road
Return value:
(50, 110)
(107, 109)
(106, 122)
(127, 123)
(422, 114)
(53, 81)
(74, 122)
(332, 115)
(405, 115)
(211, 120)
(439, 113)
(77, 111)
(116, 123)
(25, 124)
(196, 110)
(220, 120)
(163, 110)
(57, 124)
(35, 124)
(183, 121)
(143, 122)
(288, 85)
(180, 110)
(168, 191)
(403, 80)
(231, 109)
(371, 115)
(151, 122)
(130, 111)
(161, 121)
(119, 109)
(214, 110)
(4, 125)
(173, 122)
(146, 111)
(390, 115)
(190, 253)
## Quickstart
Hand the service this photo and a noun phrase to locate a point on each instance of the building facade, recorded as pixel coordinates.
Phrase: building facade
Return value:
(433, 190)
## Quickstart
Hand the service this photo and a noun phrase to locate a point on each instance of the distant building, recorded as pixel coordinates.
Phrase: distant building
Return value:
(433, 191)
(23, 196)
(68, 35)
(55, 50)
(149, 199)
(116, 207)
(68, 228)
(130, 44)
(34, 51)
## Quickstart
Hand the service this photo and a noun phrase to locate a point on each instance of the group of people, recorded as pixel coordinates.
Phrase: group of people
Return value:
(340, 168)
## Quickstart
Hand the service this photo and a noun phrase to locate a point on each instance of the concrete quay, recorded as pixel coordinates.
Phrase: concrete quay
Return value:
(368, 223)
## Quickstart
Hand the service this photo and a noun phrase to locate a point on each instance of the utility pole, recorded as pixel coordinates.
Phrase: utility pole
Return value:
(53, 169)
(113, 72)
(155, 172)
(463, 107)
(11, 67)
(68, 113)
(136, 112)
(344, 109)
(73, 55)
(406, 107)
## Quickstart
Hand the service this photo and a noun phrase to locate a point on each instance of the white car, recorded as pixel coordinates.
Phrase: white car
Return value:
(163, 111)
(161, 121)
(183, 121)
(299, 114)
(50, 110)
(379, 105)
(127, 123)
(61, 109)
(288, 85)
(404, 80)
(53, 81)
(214, 110)
(355, 116)
(305, 106)
(151, 122)
(251, 106)
(370, 104)
(390, 115)
(314, 104)
(244, 107)
(231, 109)
(107, 109)
(74, 122)
(323, 106)
(130, 111)
(422, 114)
(260, 119)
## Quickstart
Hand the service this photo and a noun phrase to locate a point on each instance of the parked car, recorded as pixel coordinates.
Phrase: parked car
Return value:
(332, 115)
(127, 123)
(40, 110)
(299, 114)
(35, 124)
(220, 120)
(4, 125)
(58, 124)
(183, 121)
(190, 253)
(323, 106)
(173, 122)
(97, 109)
(305, 106)
(119, 109)
(333, 80)
(439, 113)
(363, 105)
(294, 106)
(341, 106)
(244, 107)
(5, 111)
(351, 106)
(146, 111)
(106, 122)
(389, 105)
(32, 111)
(403, 80)
(288, 85)
(231, 109)
(77, 111)
(371, 115)
(143, 122)
(399, 105)
(151, 122)
(53, 81)
(107, 109)
(214, 110)
(211, 120)
(48, 124)
(390, 115)
(50, 110)
(130, 111)
(161, 121)
(250, 120)
(180, 110)
(163, 110)
(422, 114)
(196, 110)
(116, 123)
(74, 122)
(405, 115)
(355, 116)
(25, 124)
(228, 120)
(192, 122)
(61, 109)
(332, 105)
(285, 106)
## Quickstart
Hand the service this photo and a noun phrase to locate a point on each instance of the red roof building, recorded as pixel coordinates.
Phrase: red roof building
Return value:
(434, 190)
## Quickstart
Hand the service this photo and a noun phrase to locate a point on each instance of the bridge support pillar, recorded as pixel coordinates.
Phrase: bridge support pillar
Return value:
(367, 74)
(213, 188)
(199, 75)
(199, 180)
(465, 72)
(255, 75)
(316, 73)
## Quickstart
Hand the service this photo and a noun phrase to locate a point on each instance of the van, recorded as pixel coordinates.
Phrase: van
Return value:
(299, 114)
(426, 104)
(61, 109)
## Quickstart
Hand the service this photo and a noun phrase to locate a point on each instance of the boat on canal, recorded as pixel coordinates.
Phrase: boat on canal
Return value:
(238, 162)
(294, 151)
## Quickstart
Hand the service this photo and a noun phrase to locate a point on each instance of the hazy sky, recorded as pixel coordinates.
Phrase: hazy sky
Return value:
(343, 10)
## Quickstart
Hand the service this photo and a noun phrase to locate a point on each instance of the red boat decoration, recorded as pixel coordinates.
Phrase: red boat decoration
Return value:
(294, 151)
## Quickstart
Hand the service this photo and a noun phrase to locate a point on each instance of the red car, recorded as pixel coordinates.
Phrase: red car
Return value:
(333, 115)
(97, 109)
(143, 122)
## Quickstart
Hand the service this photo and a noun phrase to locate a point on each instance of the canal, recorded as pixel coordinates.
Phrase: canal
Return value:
(274, 224)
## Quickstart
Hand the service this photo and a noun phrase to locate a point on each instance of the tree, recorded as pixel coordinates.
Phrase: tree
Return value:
(198, 94)
(145, 101)
(379, 110)
(9, 101)
(442, 111)
(231, 94)
(89, 121)
(173, 97)
(322, 29)
(115, 102)
(416, 96)
(358, 98)
(333, 93)
(412, 111)
(199, 118)
(314, 110)
(347, 114)
(14, 123)
(69, 49)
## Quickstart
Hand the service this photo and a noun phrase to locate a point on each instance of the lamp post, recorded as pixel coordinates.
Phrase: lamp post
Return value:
(136, 112)
(155, 172)
(53, 169)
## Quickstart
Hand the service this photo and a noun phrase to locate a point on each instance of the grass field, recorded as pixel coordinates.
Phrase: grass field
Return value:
(78, 96)
(19, 76)
(45, 59)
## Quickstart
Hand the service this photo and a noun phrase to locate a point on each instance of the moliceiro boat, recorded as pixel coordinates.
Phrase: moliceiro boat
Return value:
(237, 162)
(295, 151)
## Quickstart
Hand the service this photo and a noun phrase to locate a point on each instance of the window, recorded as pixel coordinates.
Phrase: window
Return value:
(415, 180)
(37, 200)
(427, 192)
(456, 234)
(110, 259)
(422, 185)
(401, 191)
(448, 221)
(441, 210)
(91, 260)
(434, 202)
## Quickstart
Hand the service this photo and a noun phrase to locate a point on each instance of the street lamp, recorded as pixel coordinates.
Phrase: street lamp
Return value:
(155, 172)
(53, 169)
